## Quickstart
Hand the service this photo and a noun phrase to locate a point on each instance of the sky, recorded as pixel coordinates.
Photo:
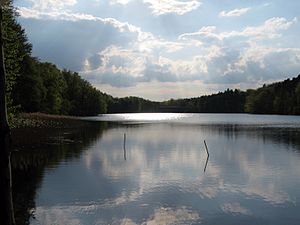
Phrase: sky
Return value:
(162, 49)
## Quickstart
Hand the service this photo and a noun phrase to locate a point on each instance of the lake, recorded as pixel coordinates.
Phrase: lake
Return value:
(154, 169)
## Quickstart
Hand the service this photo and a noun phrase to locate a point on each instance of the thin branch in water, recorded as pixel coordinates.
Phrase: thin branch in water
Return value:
(206, 148)
(206, 163)
(207, 156)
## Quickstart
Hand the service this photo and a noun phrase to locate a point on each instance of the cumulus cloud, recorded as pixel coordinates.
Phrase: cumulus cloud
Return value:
(208, 32)
(118, 53)
(268, 30)
(234, 12)
(136, 66)
(125, 61)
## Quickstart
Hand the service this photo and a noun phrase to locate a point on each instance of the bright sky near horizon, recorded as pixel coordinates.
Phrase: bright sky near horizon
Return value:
(162, 49)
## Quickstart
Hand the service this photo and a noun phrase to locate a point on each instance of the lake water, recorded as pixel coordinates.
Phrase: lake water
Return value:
(153, 169)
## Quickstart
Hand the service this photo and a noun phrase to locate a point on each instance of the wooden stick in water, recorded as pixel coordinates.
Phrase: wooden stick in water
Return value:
(124, 146)
(124, 140)
(206, 148)
(206, 163)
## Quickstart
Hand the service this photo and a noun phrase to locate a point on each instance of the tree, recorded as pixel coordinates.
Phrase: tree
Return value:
(16, 47)
(29, 90)
(297, 92)
(6, 207)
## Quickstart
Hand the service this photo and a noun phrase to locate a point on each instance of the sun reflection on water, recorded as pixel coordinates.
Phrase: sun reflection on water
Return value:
(144, 117)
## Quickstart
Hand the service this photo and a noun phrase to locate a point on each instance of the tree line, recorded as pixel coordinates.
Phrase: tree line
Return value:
(278, 98)
(34, 86)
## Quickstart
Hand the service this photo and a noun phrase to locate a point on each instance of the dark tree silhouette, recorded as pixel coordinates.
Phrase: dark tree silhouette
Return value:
(6, 207)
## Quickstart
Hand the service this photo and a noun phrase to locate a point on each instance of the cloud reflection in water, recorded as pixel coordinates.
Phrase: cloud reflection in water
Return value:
(162, 180)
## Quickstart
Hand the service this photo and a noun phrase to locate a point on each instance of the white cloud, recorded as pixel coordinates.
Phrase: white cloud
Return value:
(209, 32)
(124, 61)
(160, 7)
(131, 57)
(33, 13)
(234, 13)
(49, 5)
(268, 30)
(122, 2)
(212, 63)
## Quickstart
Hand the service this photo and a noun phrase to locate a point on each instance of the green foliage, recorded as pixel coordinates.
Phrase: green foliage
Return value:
(29, 91)
(278, 98)
(297, 94)
(228, 101)
(131, 104)
(16, 47)
(42, 87)
(80, 98)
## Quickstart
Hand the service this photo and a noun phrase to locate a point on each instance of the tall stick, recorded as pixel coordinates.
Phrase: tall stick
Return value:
(206, 162)
(6, 206)
(124, 146)
(206, 148)
(207, 156)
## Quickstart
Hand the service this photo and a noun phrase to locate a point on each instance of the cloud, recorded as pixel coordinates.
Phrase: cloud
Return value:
(234, 13)
(268, 30)
(162, 7)
(50, 5)
(117, 54)
(155, 90)
(208, 32)
(215, 62)
(121, 2)
(137, 66)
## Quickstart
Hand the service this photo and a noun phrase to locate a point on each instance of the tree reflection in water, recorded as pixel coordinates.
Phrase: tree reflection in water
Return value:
(38, 149)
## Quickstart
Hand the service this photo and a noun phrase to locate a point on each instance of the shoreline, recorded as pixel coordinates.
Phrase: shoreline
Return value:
(43, 120)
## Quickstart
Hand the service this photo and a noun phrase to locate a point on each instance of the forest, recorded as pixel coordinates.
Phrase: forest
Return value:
(35, 86)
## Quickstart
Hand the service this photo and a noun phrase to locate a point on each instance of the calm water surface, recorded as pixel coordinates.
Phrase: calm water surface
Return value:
(160, 173)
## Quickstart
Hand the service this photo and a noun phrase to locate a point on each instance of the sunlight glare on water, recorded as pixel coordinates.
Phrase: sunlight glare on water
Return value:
(201, 119)
(144, 117)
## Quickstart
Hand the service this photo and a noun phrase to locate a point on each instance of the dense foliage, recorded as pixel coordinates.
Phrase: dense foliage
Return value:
(229, 101)
(34, 86)
(224, 102)
(278, 98)
(42, 87)
(16, 47)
